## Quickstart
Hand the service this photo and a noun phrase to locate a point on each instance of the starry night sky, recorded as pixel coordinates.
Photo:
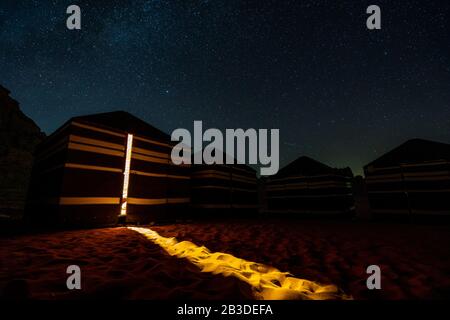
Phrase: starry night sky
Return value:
(338, 92)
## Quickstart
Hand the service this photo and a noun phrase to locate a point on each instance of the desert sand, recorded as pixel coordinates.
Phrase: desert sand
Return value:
(119, 263)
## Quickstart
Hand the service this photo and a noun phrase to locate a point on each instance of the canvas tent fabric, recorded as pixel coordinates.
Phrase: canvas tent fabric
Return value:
(306, 187)
(78, 174)
(224, 187)
(411, 180)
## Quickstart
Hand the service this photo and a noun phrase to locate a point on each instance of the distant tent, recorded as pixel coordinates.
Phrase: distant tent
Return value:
(81, 171)
(411, 180)
(223, 190)
(306, 186)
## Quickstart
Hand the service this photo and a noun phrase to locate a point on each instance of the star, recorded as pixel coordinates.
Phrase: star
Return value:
(311, 69)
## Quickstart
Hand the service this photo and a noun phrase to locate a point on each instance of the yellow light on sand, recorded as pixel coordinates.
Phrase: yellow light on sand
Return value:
(267, 283)
(126, 178)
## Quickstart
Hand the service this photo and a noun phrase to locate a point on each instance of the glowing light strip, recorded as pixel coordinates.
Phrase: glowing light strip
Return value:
(267, 283)
(126, 178)
(85, 126)
(88, 148)
(90, 167)
(64, 201)
(96, 142)
(159, 175)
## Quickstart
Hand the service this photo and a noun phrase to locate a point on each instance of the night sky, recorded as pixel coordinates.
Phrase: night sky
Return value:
(337, 91)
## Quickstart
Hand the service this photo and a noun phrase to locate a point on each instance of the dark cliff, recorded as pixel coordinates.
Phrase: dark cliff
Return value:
(19, 135)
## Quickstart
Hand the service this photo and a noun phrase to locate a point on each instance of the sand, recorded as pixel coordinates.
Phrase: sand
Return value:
(115, 263)
(118, 263)
(414, 260)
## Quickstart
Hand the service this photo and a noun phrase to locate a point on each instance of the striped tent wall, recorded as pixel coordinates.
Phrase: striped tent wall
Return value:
(47, 178)
(79, 172)
(410, 181)
(227, 188)
(321, 194)
(244, 191)
(159, 190)
(78, 176)
(307, 187)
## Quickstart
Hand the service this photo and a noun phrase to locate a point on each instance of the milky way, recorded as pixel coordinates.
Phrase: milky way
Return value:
(337, 91)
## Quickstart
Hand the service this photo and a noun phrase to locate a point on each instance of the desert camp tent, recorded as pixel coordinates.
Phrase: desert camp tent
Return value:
(230, 188)
(306, 187)
(410, 181)
(98, 167)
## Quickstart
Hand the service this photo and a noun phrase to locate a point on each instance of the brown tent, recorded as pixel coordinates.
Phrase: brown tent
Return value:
(410, 181)
(226, 190)
(98, 167)
(306, 187)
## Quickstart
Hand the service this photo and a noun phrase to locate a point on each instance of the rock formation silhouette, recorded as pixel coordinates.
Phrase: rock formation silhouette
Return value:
(19, 135)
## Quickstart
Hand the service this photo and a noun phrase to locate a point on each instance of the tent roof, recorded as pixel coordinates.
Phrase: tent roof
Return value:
(4, 91)
(305, 166)
(124, 121)
(414, 151)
